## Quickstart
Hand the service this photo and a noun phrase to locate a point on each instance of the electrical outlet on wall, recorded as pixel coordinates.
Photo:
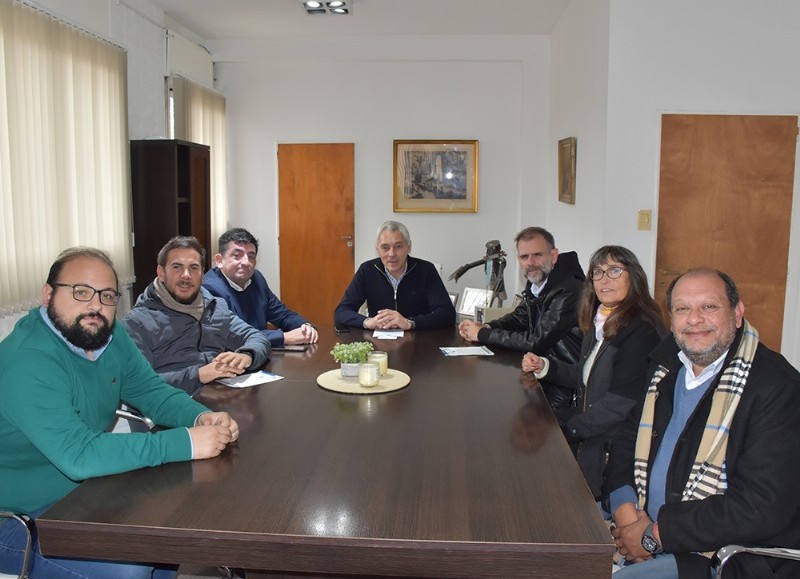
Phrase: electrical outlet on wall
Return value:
(645, 220)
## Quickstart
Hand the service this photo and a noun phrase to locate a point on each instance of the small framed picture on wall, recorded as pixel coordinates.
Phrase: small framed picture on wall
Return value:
(566, 170)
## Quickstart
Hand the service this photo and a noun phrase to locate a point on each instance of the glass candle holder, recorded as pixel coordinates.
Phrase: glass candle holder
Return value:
(368, 374)
(381, 359)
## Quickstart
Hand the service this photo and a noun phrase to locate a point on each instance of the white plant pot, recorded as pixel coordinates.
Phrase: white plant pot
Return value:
(349, 370)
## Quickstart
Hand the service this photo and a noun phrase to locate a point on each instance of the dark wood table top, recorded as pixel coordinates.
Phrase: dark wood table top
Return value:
(464, 473)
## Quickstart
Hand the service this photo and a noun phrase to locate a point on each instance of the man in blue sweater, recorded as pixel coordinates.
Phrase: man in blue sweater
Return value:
(401, 292)
(190, 337)
(236, 280)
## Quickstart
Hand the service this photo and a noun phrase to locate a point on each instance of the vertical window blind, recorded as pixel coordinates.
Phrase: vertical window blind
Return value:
(63, 150)
(199, 117)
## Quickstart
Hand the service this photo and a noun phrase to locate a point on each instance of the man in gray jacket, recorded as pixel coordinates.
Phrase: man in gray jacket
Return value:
(190, 337)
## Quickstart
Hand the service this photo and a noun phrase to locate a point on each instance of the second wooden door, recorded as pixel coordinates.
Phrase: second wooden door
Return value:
(725, 201)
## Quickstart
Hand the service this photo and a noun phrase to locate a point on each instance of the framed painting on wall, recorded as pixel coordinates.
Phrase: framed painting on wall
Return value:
(436, 176)
(566, 170)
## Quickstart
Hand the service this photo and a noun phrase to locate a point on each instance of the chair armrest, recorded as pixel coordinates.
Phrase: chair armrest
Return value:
(724, 555)
(136, 417)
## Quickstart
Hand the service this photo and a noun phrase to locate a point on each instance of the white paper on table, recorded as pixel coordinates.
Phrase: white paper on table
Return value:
(387, 334)
(467, 351)
(247, 380)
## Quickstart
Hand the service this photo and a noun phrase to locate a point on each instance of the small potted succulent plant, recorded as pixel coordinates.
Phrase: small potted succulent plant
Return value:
(350, 356)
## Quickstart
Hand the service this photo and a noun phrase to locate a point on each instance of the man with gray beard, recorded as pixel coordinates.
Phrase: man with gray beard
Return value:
(546, 320)
(715, 458)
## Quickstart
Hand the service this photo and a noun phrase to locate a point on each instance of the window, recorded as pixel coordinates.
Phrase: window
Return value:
(198, 115)
(63, 150)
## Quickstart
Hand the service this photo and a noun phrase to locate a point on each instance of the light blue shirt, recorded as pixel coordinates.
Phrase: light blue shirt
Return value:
(395, 282)
(537, 289)
(79, 351)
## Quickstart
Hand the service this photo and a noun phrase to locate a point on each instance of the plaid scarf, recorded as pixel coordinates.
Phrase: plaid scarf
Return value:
(707, 476)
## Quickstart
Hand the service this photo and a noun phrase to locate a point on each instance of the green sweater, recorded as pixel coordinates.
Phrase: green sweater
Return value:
(56, 407)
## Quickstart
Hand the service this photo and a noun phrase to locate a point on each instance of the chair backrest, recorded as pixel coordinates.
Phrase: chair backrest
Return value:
(470, 299)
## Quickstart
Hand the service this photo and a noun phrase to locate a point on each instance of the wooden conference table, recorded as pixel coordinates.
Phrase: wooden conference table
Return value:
(463, 473)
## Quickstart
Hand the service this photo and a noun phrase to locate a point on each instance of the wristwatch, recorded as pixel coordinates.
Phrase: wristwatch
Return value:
(649, 541)
(412, 322)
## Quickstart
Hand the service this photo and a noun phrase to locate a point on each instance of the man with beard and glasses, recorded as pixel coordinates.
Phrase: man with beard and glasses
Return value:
(546, 320)
(64, 370)
(190, 337)
(715, 458)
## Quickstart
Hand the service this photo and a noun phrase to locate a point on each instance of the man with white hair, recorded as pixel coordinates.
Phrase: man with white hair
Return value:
(401, 292)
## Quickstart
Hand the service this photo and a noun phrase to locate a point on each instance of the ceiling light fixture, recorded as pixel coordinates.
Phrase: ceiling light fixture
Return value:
(337, 7)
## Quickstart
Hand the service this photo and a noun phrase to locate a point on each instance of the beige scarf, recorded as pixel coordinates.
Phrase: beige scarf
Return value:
(194, 309)
(707, 477)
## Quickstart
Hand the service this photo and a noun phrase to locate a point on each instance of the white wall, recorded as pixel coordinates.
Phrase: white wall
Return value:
(578, 106)
(371, 91)
(716, 56)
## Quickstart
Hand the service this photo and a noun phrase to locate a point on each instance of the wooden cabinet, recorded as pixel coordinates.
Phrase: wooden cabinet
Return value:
(171, 188)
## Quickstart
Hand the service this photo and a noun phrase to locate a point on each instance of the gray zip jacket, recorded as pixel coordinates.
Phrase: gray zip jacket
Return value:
(177, 345)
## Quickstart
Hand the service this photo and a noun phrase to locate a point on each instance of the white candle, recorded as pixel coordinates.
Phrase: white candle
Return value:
(368, 374)
(381, 359)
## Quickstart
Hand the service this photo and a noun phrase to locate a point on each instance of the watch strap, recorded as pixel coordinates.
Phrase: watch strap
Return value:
(649, 541)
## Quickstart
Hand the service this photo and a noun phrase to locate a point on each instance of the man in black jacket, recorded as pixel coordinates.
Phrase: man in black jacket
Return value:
(546, 321)
(715, 459)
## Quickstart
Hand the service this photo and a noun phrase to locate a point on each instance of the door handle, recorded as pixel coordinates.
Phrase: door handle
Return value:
(349, 239)
(667, 272)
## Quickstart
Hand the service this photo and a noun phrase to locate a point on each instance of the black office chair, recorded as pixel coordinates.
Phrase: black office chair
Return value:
(725, 554)
(26, 560)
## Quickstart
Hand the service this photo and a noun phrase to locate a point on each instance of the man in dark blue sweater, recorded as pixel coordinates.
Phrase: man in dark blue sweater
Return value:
(243, 287)
(401, 292)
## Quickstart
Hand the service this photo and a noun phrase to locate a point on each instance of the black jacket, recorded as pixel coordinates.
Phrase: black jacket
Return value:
(615, 390)
(556, 333)
(762, 502)
(421, 295)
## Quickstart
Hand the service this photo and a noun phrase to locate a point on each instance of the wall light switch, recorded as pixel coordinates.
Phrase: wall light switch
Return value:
(645, 221)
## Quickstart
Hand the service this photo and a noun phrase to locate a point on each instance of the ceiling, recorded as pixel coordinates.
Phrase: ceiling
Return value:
(253, 19)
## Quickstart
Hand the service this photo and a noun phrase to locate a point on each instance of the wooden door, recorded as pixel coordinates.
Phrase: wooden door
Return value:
(315, 212)
(725, 201)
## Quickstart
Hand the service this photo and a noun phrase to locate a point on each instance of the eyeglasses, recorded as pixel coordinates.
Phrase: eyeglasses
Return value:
(85, 293)
(612, 273)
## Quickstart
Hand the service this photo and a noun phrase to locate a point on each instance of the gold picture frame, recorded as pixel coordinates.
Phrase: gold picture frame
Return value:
(567, 149)
(436, 176)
